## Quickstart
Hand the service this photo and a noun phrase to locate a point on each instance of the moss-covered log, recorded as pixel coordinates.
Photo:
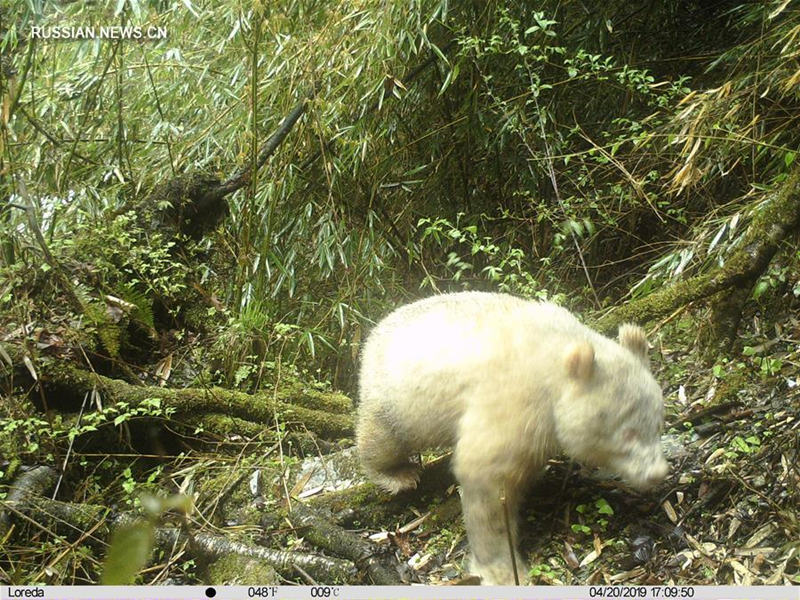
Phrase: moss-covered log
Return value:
(72, 521)
(771, 225)
(242, 570)
(262, 408)
(325, 534)
(32, 482)
(367, 505)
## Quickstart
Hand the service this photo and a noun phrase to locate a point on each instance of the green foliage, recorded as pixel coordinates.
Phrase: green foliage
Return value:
(768, 366)
(603, 507)
(100, 322)
(142, 304)
(543, 571)
(33, 433)
(593, 514)
(505, 268)
(741, 445)
(250, 344)
(128, 260)
(581, 528)
(31, 430)
(545, 144)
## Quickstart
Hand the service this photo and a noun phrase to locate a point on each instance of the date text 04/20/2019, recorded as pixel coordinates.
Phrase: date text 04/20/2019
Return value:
(635, 591)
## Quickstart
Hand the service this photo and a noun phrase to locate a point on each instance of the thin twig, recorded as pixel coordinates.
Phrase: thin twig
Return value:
(508, 536)
(304, 575)
(69, 447)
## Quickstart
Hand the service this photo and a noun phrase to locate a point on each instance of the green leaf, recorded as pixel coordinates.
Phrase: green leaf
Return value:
(603, 507)
(439, 53)
(739, 444)
(152, 402)
(576, 226)
(761, 287)
(129, 552)
(578, 528)
(310, 343)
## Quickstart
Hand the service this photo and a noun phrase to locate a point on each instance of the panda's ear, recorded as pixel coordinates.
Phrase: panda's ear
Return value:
(633, 338)
(580, 361)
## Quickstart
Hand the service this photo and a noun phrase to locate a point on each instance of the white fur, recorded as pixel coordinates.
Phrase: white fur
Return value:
(508, 383)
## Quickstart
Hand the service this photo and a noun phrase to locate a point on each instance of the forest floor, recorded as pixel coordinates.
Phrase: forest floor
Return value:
(727, 514)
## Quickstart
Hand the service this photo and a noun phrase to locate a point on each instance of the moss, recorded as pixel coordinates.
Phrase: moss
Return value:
(367, 505)
(9, 470)
(261, 408)
(655, 305)
(226, 426)
(241, 570)
(229, 489)
(771, 224)
(294, 391)
(447, 511)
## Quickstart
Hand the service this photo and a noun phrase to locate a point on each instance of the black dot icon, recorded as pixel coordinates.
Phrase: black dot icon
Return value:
(210, 592)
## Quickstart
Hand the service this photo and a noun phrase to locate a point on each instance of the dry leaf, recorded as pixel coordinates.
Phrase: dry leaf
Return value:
(381, 536)
(671, 515)
(311, 492)
(30, 367)
(569, 556)
(760, 535)
(301, 483)
(627, 575)
(733, 527)
(164, 369)
(598, 545)
(589, 558)
(763, 551)
(715, 455)
(5, 356)
(779, 9)
(413, 524)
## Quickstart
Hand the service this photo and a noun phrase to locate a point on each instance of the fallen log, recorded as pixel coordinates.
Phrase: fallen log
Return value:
(325, 534)
(72, 521)
(30, 483)
(262, 407)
